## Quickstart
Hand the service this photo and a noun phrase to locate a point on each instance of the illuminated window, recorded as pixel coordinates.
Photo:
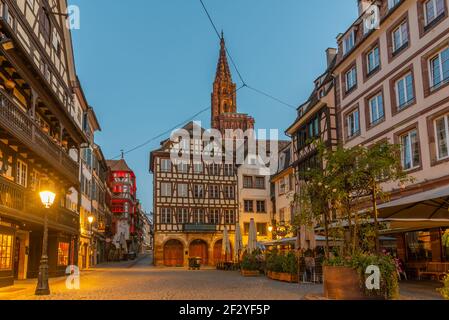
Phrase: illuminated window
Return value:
(5, 252)
(63, 253)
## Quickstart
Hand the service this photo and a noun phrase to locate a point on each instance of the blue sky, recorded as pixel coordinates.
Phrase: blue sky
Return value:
(147, 65)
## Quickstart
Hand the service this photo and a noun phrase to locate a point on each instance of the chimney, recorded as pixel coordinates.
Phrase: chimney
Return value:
(364, 5)
(330, 55)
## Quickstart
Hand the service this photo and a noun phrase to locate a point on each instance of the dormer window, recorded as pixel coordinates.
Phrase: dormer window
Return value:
(348, 42)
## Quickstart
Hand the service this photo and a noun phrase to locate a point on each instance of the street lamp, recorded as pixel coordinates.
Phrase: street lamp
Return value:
(90, 219)
(43, 289)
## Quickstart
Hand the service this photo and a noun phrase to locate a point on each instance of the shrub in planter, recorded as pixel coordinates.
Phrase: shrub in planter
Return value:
(275, 262)
(290, 264)
(389, 287)
(251, 262)
(445, 290)
(282, 267)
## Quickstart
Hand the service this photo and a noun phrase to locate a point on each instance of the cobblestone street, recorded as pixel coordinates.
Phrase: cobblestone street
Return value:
(140, 281)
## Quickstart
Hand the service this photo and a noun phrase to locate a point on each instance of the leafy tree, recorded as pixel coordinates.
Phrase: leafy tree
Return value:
(377, 165)
(346, 181)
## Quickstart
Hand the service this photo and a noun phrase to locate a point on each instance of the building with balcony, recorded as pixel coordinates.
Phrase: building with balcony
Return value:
(40, 139)
(101, 207)
(90, 125)
(122, 182)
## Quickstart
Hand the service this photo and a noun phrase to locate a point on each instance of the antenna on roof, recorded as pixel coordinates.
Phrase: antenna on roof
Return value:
(123, 154)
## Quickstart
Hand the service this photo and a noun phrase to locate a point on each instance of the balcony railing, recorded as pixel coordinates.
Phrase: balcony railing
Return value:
(11, 195)
(22, 127)
(123, 196)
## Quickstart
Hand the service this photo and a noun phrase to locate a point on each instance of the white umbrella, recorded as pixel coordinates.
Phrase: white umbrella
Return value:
(307, 238)
(252, 237)
(226, 245)
(238, 242)
(123, 243)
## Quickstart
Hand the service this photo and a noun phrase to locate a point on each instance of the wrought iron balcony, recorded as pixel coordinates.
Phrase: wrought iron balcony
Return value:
(123, 196)
(25, 130)
(25, 204)
(11, 195)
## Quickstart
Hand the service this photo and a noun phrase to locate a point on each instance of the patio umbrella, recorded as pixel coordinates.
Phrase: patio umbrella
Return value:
(307, 238)
(226, 245)
(431, 205)
(252, 237)
(238, 242)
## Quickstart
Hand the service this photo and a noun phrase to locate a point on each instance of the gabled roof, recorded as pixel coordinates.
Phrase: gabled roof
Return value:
(118, 165)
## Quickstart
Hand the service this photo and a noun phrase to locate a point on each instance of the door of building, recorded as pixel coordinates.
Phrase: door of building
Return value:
(198, 248)
(173, 254)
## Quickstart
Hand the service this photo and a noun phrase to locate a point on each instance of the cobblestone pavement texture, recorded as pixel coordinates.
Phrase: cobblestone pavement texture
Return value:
(141, 281)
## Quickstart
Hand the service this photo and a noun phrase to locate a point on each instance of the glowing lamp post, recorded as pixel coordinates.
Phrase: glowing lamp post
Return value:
(270, 230)
(43, 289)
(91, 219)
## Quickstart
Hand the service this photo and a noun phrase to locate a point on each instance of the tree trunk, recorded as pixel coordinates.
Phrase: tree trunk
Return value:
(376, 220)
(326, 231)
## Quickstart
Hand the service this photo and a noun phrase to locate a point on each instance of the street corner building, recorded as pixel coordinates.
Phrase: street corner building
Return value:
(40, 138)
(195, 202)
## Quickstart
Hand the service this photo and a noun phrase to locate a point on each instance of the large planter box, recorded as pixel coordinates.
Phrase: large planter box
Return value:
(250, 273)
(343, 283)
(286, 277)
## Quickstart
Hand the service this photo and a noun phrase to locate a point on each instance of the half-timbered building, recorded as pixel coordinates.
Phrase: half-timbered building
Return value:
(195, 201)
(40, 138)
(193, 204)
(316, 121)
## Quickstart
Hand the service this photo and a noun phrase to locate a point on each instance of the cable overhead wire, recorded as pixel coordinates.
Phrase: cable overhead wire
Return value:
(226, 48)
(263, 93)
(181, 124)
(244, 85)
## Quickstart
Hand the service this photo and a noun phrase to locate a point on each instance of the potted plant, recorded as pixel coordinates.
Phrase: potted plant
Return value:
(346, 277)
(289, 268)
(445, 290)
(250, 265)
(282, 267)
(274, 265)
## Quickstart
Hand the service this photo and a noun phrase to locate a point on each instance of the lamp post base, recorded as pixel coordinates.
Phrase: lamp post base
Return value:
(43, 288)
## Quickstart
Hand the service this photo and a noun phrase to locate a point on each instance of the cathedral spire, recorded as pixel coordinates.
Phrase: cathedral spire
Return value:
(224, 97)
(223, 71)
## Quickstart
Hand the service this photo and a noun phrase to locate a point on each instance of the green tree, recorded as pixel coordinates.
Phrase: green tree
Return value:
(377, 165)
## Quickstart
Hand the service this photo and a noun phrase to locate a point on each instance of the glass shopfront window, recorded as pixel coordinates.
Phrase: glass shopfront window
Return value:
(419, 246)
(5, 252)
(63, 253)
